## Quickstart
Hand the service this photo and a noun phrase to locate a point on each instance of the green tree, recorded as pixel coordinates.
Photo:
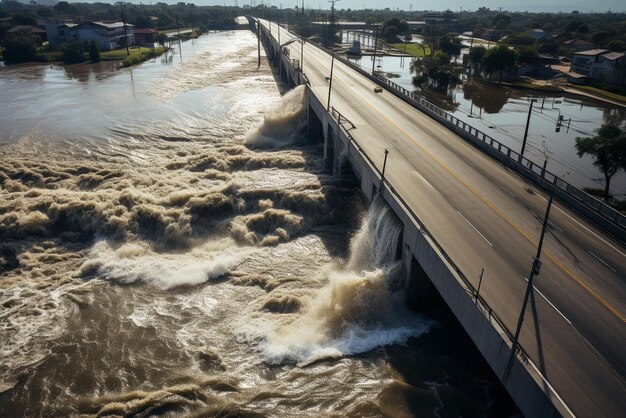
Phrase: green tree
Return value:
(527, 54)
(435, 71)
(72, 52)
(20, 46)
(499, 59)
(94, 54)
(476, 55)
(451, 45)
(617, 45)
(608, 149)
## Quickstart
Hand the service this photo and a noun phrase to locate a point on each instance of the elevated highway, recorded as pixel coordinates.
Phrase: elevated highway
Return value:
(464, 212)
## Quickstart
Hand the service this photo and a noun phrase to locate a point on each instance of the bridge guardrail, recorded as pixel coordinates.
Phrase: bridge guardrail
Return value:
(424, 230)
(533, 171)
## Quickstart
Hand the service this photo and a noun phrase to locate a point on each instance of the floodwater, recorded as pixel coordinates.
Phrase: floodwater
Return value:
(501, 113)
(170, 245)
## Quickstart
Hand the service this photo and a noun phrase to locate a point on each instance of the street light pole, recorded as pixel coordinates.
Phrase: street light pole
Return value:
(530, 111)
(125, 30)
(533, 272)
(330, 83)
(302, 52)
(382, 175)
(375, 42)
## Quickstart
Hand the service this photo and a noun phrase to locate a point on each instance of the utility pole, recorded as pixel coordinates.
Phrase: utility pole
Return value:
(530, 111)
(125, 30)
(330, 83)
(302, 40)
(375, 42)
(382, 175)
(303, 7)
(534, 271)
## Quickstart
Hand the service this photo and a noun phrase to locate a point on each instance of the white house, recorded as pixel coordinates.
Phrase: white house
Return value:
(583, 61)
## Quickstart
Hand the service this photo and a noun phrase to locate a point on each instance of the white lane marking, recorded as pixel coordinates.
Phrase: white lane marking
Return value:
(554, 226)
(467, 161)
(602, 261)
(507, 190)
(551, 304)
(512, 177)
(475, 229)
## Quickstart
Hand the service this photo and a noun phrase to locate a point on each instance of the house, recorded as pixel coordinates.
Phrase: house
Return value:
(583, 61)
(34, 29)
(145, 35)
(577, 45)
(539, 34)
(107, 35)
(600, 64)
(58, 33)
(610, 67)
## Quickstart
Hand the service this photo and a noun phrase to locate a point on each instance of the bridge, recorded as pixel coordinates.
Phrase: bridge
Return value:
(472, 219)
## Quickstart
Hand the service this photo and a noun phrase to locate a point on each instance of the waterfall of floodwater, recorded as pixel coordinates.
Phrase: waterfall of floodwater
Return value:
(185, 253)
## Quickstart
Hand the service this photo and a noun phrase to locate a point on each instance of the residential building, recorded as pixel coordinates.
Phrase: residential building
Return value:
(59, 32)
(600, 64)
(107, 35)
(145, 35)
(34, 29)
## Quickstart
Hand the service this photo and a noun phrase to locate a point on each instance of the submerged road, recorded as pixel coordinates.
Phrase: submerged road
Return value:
(485, 216)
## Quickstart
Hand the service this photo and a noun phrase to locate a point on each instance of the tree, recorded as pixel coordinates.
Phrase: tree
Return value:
(527, 54)
(392, 28)
(94, 54)
(520, 39)
(72, 52)
(501, 21)
(617, 45)
(451, 45)
(608, 148)
(20, 46)
(476, 55)
(436, 72)
(498, 60)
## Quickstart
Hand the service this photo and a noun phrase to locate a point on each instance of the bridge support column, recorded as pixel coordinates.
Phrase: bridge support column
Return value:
(329, 147)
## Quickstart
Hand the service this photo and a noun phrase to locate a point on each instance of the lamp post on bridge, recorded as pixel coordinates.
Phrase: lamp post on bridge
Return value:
(530, 111)
(534, 271)
(330, 83)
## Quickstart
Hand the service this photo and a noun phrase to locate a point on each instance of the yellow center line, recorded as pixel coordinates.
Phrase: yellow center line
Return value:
(499, 212)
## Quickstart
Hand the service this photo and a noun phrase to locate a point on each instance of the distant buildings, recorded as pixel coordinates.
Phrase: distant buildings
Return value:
(106, 35)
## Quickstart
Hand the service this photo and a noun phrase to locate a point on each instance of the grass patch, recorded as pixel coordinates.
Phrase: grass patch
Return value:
(603, 93)
(413, 49)
(120, 54)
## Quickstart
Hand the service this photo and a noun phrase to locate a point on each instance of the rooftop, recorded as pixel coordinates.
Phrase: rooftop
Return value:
(612, 56)
(592, 52)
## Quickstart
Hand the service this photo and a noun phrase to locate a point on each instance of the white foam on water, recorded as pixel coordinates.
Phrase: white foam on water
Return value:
(283, 124)
(138, 262)
(355, 312)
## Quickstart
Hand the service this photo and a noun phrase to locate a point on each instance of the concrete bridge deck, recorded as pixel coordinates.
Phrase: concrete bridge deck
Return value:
(478, 214)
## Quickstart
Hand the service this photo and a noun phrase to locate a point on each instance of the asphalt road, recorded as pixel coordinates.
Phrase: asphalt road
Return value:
(485, 216)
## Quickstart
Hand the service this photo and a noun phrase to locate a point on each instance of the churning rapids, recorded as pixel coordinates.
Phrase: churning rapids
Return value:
(170, 245)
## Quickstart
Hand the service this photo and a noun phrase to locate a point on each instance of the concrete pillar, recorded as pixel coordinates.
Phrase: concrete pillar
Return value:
(419, 288)
(329, 147)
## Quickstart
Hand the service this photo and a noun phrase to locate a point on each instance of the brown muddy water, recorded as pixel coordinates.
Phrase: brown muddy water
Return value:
(171, 246)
